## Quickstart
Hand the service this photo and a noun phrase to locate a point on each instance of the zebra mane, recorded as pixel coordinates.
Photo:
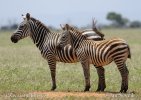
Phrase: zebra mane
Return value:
(86, 30)
(72, 29)
(39, 22)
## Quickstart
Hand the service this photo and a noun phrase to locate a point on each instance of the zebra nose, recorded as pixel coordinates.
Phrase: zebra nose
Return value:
(14, 39)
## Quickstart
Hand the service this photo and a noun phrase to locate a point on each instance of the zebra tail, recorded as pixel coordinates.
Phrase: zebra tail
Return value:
(129, 55)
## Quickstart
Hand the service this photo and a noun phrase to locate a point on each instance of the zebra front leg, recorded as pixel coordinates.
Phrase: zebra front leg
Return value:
(52, 66)
(53, 76)
(124, 74)
(101, 80)
(86, 70)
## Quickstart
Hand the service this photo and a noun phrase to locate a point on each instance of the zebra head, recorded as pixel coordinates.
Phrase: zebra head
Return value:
(65, 36)
(69, 36)
(22, 30)
(64, 40)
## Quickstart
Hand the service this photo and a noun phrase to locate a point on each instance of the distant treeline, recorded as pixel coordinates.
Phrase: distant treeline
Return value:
(117, 21)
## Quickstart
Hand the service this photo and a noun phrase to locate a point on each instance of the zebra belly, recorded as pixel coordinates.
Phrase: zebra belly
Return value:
(97, 58)
(66, 55)
(99, 63)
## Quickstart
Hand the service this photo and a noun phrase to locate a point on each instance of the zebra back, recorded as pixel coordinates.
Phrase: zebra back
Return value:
(110, 48)
(90, 34)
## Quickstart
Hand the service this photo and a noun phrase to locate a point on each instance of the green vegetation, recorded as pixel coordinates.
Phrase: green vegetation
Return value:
(23, 70)
(117, 19)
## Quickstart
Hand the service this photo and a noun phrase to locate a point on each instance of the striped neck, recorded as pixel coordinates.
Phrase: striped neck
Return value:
(39, 33)
(76, 39)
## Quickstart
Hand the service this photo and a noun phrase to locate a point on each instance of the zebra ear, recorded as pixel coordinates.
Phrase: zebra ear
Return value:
(63, 28)
(23, 17)
(67, 27)
(28, 16)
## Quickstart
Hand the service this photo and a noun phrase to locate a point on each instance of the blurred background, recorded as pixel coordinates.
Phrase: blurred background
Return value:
(23, 70)
(108, 13)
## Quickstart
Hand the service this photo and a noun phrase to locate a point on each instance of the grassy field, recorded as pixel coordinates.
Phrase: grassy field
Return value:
(23, 70)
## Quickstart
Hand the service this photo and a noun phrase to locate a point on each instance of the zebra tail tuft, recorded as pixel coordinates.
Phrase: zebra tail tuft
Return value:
(129, 55)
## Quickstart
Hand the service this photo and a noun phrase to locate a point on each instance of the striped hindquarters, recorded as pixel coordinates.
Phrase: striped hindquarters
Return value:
(104, 52)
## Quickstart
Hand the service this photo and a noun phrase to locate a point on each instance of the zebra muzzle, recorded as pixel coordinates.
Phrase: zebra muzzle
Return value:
(14, 39)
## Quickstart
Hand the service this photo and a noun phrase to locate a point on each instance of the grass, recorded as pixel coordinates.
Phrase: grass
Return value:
(23, 70)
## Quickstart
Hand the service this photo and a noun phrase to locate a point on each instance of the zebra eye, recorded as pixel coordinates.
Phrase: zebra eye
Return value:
(21, 26)
(63, 37)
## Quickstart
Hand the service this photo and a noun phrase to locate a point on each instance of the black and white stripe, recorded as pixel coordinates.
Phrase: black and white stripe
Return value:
(47, 42)
(91, 35)
(99, 53)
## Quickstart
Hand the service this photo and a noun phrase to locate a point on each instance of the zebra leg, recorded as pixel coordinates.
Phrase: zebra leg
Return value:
(86, 70)
(101, 81)
(124, 74)
(52, 66)
(124, 85)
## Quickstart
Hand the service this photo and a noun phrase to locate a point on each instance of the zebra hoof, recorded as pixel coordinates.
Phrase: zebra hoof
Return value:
(53, 88)
(98, 90)
(121, 91)
(102, 89)
(86, 88)
(124, 89)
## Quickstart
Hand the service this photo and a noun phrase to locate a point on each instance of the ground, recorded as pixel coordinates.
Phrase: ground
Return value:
(69, 95)
(24, 74)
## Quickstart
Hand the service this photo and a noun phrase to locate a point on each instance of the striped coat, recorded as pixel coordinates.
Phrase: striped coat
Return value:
(99, 53)
(46, 41)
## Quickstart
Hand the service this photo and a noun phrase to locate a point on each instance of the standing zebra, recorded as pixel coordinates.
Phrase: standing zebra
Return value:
(89, 34)
(47, 42)
(99, 53)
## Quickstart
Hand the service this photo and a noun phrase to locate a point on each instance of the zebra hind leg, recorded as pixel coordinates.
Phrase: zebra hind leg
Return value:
(101, 76)
(124, 74)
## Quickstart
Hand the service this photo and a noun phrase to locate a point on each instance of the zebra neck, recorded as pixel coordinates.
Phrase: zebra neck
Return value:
(40, 34)
(39, 38)
(77, 41)
(42, 39)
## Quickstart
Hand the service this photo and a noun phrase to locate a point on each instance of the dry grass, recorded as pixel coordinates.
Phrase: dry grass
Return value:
(24, 71)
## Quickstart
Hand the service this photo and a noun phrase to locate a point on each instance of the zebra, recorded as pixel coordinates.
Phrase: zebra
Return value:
(99, 53)
(46, 41)
(90, 35)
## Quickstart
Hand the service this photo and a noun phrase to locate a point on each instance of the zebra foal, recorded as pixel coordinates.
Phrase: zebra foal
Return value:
(99, 53)
(46, 41)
